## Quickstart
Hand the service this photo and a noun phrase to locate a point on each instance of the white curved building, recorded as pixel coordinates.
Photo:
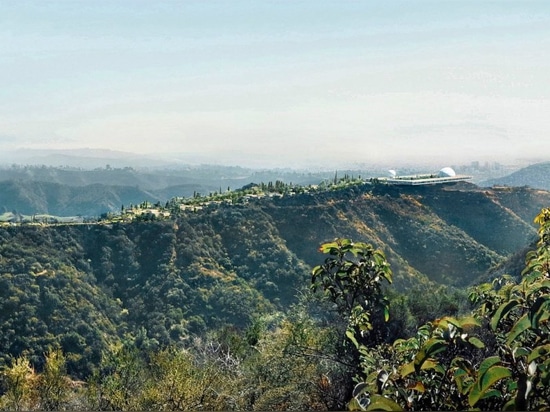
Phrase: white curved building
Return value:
(445, 175)
(446, 172)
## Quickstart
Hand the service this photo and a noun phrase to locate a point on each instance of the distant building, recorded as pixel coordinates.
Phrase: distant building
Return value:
(445, 175)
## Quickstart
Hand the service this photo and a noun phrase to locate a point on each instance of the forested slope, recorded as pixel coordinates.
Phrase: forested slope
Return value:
(86, 285)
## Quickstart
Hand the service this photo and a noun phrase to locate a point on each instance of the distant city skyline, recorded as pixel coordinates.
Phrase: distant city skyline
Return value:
(279, 84)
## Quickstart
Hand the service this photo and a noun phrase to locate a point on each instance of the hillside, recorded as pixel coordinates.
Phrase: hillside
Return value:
(535, 176)
(71, 191)
(221, 265)
(31, 197)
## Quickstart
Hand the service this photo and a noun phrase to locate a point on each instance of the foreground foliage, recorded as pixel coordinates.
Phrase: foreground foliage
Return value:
(290, 367)
(495, 359)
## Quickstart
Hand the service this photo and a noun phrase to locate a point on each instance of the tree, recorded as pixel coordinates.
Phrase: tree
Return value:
(182, 380)
(18, 385)
(290, 370)
(53, 384)
(119, 380)
(352, 278)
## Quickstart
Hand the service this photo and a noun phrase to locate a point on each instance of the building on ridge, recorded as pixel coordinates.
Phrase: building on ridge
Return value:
(445, 175)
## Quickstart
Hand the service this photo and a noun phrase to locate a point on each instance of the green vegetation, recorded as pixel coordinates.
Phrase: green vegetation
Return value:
(354, 285)
(210, 309)
(495, 358)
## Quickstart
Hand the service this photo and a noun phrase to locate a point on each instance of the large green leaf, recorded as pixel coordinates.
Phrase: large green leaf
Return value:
(502, 311)
(537, 286)
(475, 342)
(519, 327)
(487, 363)
(446, 320)
(486, 380)
(407, 369)
(432, 347)
(538, 352)
(519, 352)
(351, 336)
(468, 321)
(433, 364)
(381, 403)
(475, 395)
(538, 310)
(334, 247)
(386, 313)
(493, 375)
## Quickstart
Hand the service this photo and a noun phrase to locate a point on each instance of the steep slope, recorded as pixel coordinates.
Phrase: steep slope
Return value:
(175, 276)
(393, 220)
(479, 214)
(48, 297)
(526, 203)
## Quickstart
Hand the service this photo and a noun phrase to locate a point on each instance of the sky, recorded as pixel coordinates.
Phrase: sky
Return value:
(279, 83)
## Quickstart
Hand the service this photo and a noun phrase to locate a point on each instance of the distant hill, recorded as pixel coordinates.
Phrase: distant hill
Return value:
(81, 158)
(30, 197)
(536, 176)
(68, 191)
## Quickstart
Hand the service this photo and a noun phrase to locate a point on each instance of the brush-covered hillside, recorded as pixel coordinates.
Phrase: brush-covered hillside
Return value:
(83, 285)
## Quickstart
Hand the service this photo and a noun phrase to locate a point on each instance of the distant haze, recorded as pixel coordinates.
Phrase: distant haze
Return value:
(286, 83)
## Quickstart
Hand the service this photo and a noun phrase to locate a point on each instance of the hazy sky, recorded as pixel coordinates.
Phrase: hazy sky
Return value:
(284, 82)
